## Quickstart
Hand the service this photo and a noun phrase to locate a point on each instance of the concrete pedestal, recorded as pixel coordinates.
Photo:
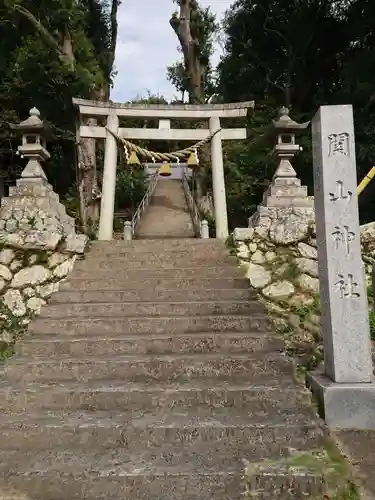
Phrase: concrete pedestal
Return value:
(344, 406)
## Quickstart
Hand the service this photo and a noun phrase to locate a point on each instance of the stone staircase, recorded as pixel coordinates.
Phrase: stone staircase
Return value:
(167, 215)
(151, 375)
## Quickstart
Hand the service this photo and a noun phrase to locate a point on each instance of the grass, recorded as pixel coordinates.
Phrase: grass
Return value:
(292, 272)
(371, 314)
(303, 312)
(371, 318)
(6, 351)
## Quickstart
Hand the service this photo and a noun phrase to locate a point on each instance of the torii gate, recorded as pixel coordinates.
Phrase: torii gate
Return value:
(164, 113)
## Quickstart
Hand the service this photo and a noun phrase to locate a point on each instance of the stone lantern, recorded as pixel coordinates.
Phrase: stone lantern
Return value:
(33, 144)
(286, 212)
(285, 129)
(31, 216)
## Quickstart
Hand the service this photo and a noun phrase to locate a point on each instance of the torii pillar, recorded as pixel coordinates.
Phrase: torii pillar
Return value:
(218, 180)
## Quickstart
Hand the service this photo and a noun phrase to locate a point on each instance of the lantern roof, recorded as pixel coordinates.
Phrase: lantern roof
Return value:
(33, 124)
(285, 124)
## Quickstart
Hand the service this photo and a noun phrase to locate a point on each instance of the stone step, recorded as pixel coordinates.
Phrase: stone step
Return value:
(159, 258)
(151, 233)
(149, 294)
(92, 345)
(162, 236)
(220, 431)
(155, 249)
(161, 324)
(188, 245)
(132, 273)
(260, 369)
(151, 309)
(121, 458)
(147, 483)
(156, 284)
(259, 401)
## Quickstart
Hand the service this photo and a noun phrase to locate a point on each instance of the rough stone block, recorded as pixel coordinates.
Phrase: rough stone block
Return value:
(286, 191)
(287, 201)
(243, 233)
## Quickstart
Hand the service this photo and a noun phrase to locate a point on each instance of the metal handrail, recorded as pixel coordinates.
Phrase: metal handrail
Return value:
(144, 202)
(194, 211)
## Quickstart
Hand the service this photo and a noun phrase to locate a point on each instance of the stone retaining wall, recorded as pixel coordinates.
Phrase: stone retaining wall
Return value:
(38, 241)
(27, 279)
(289, 272)
(287, 279)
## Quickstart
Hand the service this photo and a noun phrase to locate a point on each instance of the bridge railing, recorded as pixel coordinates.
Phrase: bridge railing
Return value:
(200, 226)
(131, 226)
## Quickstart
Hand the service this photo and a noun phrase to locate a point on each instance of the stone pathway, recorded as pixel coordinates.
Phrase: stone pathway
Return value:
(168, 215)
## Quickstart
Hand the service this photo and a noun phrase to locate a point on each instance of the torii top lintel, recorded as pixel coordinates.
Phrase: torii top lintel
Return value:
(166, 111)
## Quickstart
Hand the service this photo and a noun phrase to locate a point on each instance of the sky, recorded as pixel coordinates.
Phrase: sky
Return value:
(147, 44)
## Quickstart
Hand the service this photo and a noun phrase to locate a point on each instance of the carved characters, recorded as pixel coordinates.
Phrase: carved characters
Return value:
(339, 194)
(339, 144)
(347, 286)
(342, 235)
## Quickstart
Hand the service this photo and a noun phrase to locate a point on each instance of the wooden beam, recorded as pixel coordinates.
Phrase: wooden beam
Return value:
(173, 111)
(153, 134)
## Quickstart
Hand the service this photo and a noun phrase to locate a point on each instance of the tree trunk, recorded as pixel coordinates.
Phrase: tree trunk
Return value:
(88, 181)
(196, 70)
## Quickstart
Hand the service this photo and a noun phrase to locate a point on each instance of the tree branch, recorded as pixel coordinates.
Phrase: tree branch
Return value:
(65, 52)
(52, 42)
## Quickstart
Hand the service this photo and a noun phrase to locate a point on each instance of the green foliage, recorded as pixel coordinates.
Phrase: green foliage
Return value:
(304, 311)
(34, 72)
(6, 351)
(372, 324)
(71, 203)
(325, 462)
(131, 186)
(177, 75)
(291, 272)
(277, 52)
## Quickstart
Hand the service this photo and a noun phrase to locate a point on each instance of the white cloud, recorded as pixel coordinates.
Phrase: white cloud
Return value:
(147, 45)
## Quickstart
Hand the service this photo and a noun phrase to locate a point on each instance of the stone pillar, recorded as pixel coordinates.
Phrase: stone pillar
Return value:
(205, 233)
(109, 181)
(218, 181)
(128, 231)
(345, 385)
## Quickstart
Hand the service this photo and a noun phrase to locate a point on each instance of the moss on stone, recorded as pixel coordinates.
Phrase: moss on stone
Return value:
(6, 351)
(325, 463)
(291, 272)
